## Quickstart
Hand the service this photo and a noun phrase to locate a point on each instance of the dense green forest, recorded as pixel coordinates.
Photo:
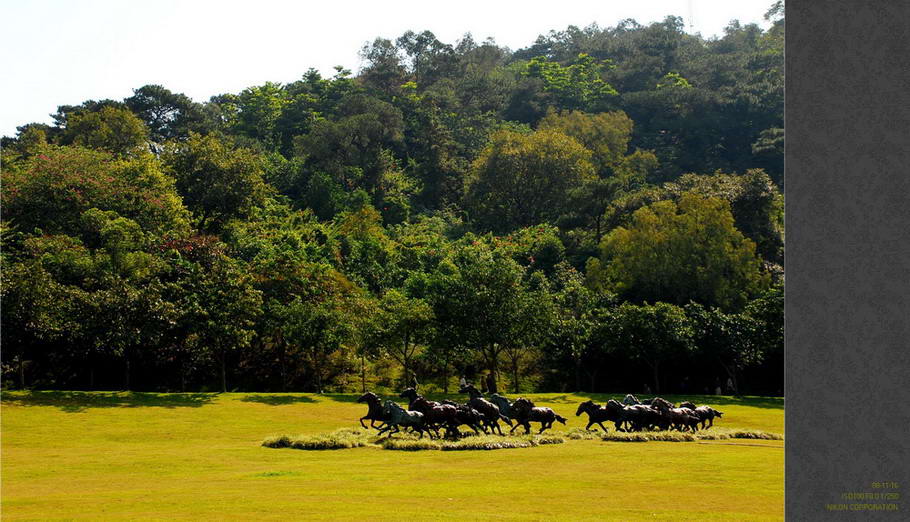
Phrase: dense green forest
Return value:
(599, 211)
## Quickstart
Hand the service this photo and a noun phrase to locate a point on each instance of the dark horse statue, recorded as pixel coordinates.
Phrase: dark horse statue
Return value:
(489, 411)
(374, 413)
(524, 412)
(598, 414)
(468, 416)
(435, 414)
(705, 414)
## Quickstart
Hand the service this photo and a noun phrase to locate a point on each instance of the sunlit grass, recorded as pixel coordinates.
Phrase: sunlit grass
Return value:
(104, 456)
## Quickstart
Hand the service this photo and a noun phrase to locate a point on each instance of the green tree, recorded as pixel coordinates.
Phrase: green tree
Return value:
(111, 129)
(578, 86)
(477, 298)
(166, 114)
(681, 253)
(522, 180)
(217, 182)
(401, 326)
(652, 334)
(51, 190)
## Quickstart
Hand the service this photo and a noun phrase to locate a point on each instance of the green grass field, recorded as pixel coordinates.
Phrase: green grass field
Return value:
(72, 455)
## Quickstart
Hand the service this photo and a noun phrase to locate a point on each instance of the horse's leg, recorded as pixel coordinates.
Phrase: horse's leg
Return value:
(361, 421)
(601, 424)
(588, 427)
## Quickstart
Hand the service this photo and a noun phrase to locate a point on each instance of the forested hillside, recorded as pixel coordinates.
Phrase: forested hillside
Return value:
(599, 211)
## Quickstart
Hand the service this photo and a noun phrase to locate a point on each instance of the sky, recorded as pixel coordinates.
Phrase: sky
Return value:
(63, 52)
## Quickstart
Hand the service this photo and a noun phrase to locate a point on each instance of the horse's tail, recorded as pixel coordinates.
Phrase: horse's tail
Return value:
(506, 419)
(560, 418)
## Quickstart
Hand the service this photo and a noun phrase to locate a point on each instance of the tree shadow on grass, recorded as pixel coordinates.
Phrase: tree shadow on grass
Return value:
(75, 402)
(278, 399)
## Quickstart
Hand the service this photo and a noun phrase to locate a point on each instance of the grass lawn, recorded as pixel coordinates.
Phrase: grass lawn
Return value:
(73, 455)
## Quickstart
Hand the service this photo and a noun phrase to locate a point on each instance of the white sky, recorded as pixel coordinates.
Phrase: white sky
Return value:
(59, 52)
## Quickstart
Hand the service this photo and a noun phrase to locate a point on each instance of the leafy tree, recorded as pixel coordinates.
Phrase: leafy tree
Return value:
(352, 149)
(166, 114)
(677, 253)
(51, 190)
(429, 56)
(522, 180)
(477, 297)
(530, 327)
(652, 333)
(606, 135)
(259, 109)
(228, 306)
(755, 202)
(37, 311)
(384, 70)
(578, 86)
(729, 339)
(217, 182)
(111, 129)
(400, 327)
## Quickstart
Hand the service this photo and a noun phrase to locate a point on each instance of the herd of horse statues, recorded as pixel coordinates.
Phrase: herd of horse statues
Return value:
(480, 414)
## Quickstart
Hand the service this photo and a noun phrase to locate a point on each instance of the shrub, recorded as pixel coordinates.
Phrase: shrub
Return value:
(338, 439)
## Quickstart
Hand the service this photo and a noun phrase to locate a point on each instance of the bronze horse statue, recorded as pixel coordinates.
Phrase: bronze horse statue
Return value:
(374, 412)
(468, 416)
(489, 411)
(524, 412)
(435, 414)
(599, 414)
(398, 416)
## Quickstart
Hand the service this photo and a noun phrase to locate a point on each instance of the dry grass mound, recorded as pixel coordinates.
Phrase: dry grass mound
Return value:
(339, 439)
(353, 438)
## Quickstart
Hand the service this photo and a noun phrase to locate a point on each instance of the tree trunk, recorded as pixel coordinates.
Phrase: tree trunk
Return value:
(578, 375)
(515, 386)
(656, 378)
(593, 376)
(284, 367)
(406, 361)
(126, 375)
(223, 371)
(21, 373)
(445, 373)
(363, 373)
(494, 368)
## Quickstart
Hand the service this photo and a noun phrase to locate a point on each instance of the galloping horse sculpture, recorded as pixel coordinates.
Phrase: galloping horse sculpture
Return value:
(374, 413)
(398, 416)
(489, 411)
(435, 414)
(524, 412)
